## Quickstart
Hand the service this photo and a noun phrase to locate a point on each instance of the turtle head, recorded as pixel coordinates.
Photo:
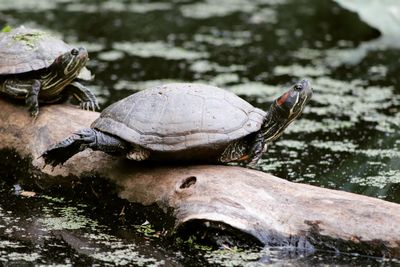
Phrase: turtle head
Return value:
(285, 109)
(70, 63)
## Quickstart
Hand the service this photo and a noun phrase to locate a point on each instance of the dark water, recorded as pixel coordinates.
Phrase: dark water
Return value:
(347, 139)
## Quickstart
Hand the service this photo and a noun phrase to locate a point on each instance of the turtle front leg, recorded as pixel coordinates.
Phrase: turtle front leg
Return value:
(247, 150)
(86, 98)
(32, 100)
(28, 89)
(257, 149)
(236, 151)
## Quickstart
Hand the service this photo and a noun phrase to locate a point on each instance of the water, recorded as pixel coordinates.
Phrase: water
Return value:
(347, 138)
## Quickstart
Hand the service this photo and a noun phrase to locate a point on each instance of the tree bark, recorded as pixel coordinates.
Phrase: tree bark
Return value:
(273, 210)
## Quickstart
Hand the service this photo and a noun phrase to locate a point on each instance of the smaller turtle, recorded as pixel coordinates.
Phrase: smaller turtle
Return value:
(38, 67)
(186, 121)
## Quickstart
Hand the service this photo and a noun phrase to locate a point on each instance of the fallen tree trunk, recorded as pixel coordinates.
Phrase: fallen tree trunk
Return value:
(273, 210)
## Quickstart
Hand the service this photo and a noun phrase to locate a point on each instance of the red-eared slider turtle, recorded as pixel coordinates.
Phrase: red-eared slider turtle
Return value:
(185, 121)
(39, 67)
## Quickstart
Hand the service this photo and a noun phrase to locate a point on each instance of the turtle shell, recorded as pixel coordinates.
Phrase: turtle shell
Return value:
(181, 116)
(24, 50)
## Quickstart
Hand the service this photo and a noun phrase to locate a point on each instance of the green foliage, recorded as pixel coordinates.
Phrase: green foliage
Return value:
(147, 230)
(191, 242)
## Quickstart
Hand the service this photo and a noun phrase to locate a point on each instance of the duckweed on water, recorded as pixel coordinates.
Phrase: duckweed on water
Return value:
(301, 71)
(222, 8)
(202, 66)
(224, 79)
(110, 55)
(19, 257)
(380, 181)
(226, 40)
(158, 49)
(115, 6)
(295, 144)
(262, 91)
(29, 5)
(312, 126)
(137, 86)
(247, 258)
(381, 153)
(126, 256)
(264, 16)
(69, 218)
(10, 244)
(335, 146)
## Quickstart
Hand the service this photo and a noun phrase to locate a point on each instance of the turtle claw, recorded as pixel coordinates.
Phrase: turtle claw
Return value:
(89, 106)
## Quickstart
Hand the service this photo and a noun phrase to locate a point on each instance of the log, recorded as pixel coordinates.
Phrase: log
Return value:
(273, 210)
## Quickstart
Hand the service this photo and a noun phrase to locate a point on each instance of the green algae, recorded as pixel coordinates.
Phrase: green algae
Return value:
(30, 39)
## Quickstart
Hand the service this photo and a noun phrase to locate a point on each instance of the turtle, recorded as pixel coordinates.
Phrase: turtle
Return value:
(38, 67)
(185, 122)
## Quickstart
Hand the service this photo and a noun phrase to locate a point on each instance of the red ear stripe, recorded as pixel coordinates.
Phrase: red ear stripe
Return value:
(282, 99)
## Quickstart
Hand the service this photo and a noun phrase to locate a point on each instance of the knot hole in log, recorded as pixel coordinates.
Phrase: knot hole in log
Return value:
(188, 182)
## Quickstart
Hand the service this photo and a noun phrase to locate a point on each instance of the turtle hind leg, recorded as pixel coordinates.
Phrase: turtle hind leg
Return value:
(138, 153)
(62, 151)
(85, 138)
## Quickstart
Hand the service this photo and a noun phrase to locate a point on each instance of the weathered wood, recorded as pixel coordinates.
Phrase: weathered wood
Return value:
(273, 210)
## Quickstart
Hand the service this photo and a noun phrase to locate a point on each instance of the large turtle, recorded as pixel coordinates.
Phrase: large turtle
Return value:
(39, 67)
(185, 121)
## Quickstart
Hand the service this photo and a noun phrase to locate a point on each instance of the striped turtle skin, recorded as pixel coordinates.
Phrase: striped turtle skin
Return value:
(38, 67)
